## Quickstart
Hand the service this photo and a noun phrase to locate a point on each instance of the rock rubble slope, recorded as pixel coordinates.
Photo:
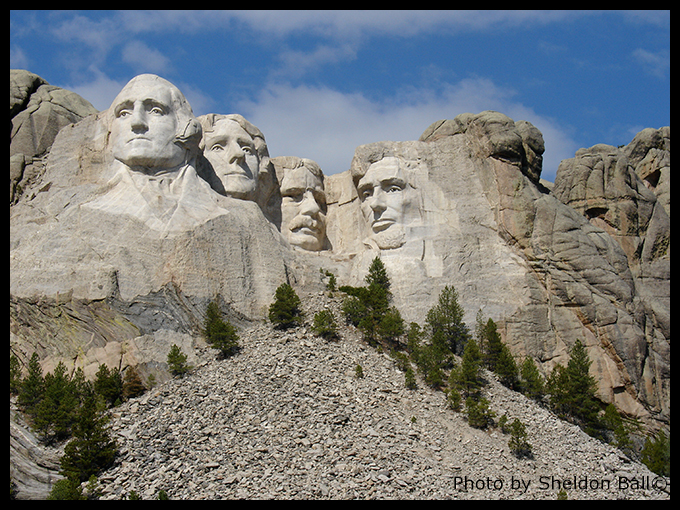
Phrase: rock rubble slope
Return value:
(287, 418)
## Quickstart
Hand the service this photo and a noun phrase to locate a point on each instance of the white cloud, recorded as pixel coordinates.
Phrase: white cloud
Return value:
(326, 125)
(144, 59)
(100, 91)
(656, 63)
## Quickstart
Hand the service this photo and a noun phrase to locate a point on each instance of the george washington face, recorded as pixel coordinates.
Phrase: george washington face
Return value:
(145, 126)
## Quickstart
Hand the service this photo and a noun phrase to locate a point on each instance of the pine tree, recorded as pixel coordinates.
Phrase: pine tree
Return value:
(14, 375)
(445, 322)
(92, 449)
(656, 454)
(325, 325)
(285, 312)
(478, 413)
(32, 387)
(56, 411)
(492, 345)
(531, 381)
(469, 376)
(220, 334)
(518, 443)
(377, 275)
(132, 384)
(368, 308)
(410, 379)
(573, 390)
(177, 361)
(506, 368)
(109, 385)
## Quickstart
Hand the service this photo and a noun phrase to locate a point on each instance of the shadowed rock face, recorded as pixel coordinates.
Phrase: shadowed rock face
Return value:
(103, 240)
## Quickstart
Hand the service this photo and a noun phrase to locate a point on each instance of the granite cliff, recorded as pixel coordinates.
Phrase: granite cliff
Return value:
(118, 243)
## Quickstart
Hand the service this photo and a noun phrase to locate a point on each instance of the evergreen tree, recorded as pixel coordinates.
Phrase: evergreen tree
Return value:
(469, 376)
(325, 325)
(612, 421)
(518, 443)
(531, 381)
(14, 375)
(377, 276)
(478, 413)
(506, 368)
(32, 387)
(219, 334)
(445, 322)
(656, 454)
(368, 308)
(410, 379)
(573, 390)
(491, 345)
(132, 384)
(56, 411)
(66, 489)
(285, 312)
(92, 449)
(109, 385)
(177, 361)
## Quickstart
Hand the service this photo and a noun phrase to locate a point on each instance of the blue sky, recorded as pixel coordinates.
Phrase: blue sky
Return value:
(320, 83)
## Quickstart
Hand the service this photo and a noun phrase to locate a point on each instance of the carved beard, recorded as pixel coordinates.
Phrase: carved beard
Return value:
(393, 237)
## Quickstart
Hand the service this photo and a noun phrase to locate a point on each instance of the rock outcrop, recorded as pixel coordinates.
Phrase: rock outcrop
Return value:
(134, 218)
(37, 112)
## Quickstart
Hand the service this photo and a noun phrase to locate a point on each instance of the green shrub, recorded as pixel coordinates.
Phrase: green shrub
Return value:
(220, 334)
(177, 361)
(324, 325)
(285, 312)
(518, 443)
(656, 454)
(478, 413)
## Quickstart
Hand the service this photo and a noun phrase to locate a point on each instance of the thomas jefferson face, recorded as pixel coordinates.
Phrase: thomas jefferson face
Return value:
(303, 209)
(231, 151)
(382, 194)
(144, 127)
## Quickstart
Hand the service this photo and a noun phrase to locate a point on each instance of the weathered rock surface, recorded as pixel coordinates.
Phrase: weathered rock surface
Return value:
(100, 273)
(37, 112)
(287, 418)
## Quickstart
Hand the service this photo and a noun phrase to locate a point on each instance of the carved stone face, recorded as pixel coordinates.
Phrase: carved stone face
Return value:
(231, 151)
(144, 127)
(382, 194)
(303, 209)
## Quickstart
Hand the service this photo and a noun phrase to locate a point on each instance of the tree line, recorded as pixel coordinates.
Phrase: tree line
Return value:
(451, 358)
(444, 352)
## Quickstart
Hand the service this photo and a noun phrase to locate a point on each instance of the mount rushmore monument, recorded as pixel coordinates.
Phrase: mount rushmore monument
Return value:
(126, 223)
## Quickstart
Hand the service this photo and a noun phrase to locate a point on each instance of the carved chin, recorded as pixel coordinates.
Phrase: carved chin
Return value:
(393, 237)
(239, 186)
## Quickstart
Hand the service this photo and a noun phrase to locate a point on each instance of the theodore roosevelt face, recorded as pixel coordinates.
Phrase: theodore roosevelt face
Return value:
(303, 208)
(145, 125)
(382, 194)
